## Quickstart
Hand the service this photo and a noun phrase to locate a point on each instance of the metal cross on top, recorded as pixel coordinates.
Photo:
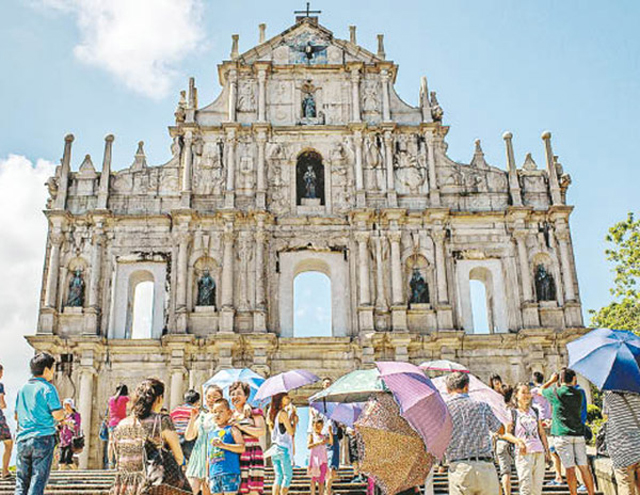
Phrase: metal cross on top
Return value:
(308, 11)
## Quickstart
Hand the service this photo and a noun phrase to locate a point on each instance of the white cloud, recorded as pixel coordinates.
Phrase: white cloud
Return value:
(140, 42)
(24, 232)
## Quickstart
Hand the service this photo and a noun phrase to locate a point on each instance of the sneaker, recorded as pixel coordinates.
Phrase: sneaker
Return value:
(552, 483)
(582, 489)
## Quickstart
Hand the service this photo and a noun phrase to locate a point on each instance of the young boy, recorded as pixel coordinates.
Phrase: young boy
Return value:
(38, 409)
(224, 446)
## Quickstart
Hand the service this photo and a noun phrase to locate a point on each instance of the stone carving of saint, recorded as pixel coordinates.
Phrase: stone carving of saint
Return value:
(309, 106)
(310, 181)
(545, 286)
(370, 102)
(206, 290)
(75, 297)
(419, 289)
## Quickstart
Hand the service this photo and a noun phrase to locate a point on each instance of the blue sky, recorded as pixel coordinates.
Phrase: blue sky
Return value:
(95, 67)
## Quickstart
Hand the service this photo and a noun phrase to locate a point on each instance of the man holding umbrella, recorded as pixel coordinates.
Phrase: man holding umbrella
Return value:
(471, 468)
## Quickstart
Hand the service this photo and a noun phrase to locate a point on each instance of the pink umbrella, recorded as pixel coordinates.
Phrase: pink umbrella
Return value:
(443, 365)
(420, 404)
(284, 382)
(482, 393)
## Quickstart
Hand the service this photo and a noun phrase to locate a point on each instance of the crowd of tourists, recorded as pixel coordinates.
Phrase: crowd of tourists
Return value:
(216, 445)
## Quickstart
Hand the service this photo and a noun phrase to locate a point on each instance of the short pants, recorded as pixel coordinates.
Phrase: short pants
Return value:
(224, 483)
(571, 450)
(5, 432)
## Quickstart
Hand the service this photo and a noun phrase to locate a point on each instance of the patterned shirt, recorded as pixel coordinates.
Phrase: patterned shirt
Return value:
(473, 423)
(623, 428)
(181, 416)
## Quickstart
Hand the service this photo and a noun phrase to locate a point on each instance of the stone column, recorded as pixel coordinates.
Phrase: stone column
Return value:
(396, 268)
(399, 309)
(177, 387)
(355, 93)
(567, 273)
(523, 258)
(554, 185)
(103, 192)
(386, 105)
(262, 95)
(363, 268)
(185, 196)
(261, 180)
(65, 169)
(441, 273)
(358, 141)
(233, 94)
(229, 197)
(53, 270)
(514, 185)
(226, 299)
(434, 192)
(183, 251)
(381, 302)
(85, 408)
(259, 317)
(96, 262)
(388, 161)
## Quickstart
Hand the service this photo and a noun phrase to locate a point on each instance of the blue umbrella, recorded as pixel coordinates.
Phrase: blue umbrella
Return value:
(346, 413)
(224, 379)
(610, 359)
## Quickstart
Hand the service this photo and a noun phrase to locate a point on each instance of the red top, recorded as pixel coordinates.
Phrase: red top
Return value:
(180, 416)
(117, 410)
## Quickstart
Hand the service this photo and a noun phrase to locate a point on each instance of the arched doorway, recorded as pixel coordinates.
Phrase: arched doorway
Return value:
(310, 179)
(312, 305)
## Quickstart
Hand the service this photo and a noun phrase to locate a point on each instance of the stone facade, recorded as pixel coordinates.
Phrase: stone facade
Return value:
(307, 161)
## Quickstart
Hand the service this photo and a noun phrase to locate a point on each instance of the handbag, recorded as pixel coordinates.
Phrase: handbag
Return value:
(104, 427)
(601, 441)
(160, 466)
(77, 444)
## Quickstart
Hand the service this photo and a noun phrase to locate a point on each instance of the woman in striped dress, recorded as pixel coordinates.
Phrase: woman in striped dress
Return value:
(251, 423)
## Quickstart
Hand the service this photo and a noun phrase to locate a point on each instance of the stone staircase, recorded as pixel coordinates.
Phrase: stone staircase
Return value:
(98, 483)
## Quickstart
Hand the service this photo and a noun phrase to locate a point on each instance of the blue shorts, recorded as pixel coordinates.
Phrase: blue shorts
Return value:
(224, 483)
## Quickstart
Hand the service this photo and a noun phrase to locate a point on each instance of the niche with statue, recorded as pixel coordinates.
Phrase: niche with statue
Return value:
(310, 179)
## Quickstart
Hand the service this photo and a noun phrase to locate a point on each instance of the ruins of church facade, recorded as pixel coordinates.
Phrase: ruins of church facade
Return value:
(308, 160)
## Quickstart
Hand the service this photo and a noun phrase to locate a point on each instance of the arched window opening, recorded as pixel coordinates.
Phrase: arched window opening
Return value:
(480, 308)
(142, 311)
(312, 305)
(310, 179)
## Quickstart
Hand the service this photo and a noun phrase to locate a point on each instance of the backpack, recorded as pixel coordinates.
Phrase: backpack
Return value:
(514, 418)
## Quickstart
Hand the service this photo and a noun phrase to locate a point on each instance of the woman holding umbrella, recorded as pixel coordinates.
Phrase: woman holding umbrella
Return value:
(282, 445)
(251, 424)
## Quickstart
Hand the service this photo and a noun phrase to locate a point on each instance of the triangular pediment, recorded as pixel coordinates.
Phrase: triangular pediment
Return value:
(307, 43)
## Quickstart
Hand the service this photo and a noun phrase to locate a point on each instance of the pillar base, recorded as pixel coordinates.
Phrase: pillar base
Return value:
(47, 321)
(261, 200)
(181, 321)
(434, 197)
(226, 320)
(365, 319)
(92, 316)
(185, 200)
(229, 200)
(530, 316)
(444, 315)
(399, 318)
(392, 199)
(573, 314)
(361, 199)
(259, 321)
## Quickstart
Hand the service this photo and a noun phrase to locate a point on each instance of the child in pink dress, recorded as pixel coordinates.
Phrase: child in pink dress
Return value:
(318, 462)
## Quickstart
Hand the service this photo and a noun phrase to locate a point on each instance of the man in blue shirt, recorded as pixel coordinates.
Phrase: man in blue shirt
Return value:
(38, 409)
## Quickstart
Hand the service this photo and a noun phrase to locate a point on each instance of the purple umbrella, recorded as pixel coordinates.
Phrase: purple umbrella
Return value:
(420, 404)
(346, 413)
(284, 382)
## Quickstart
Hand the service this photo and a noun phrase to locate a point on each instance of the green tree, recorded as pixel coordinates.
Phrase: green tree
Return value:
(623, 313)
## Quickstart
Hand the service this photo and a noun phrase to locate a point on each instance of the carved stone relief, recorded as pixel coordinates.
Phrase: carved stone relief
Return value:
(246, 96)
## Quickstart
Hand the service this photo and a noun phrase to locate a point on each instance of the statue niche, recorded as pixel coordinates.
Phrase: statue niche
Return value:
(206, 290)
(545, 285)
(75, 297)
(310, 179)
(419, 288)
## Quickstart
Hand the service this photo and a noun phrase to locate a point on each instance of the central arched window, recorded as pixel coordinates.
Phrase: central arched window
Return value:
(141, 303)
(312, 305)
(481, 291)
